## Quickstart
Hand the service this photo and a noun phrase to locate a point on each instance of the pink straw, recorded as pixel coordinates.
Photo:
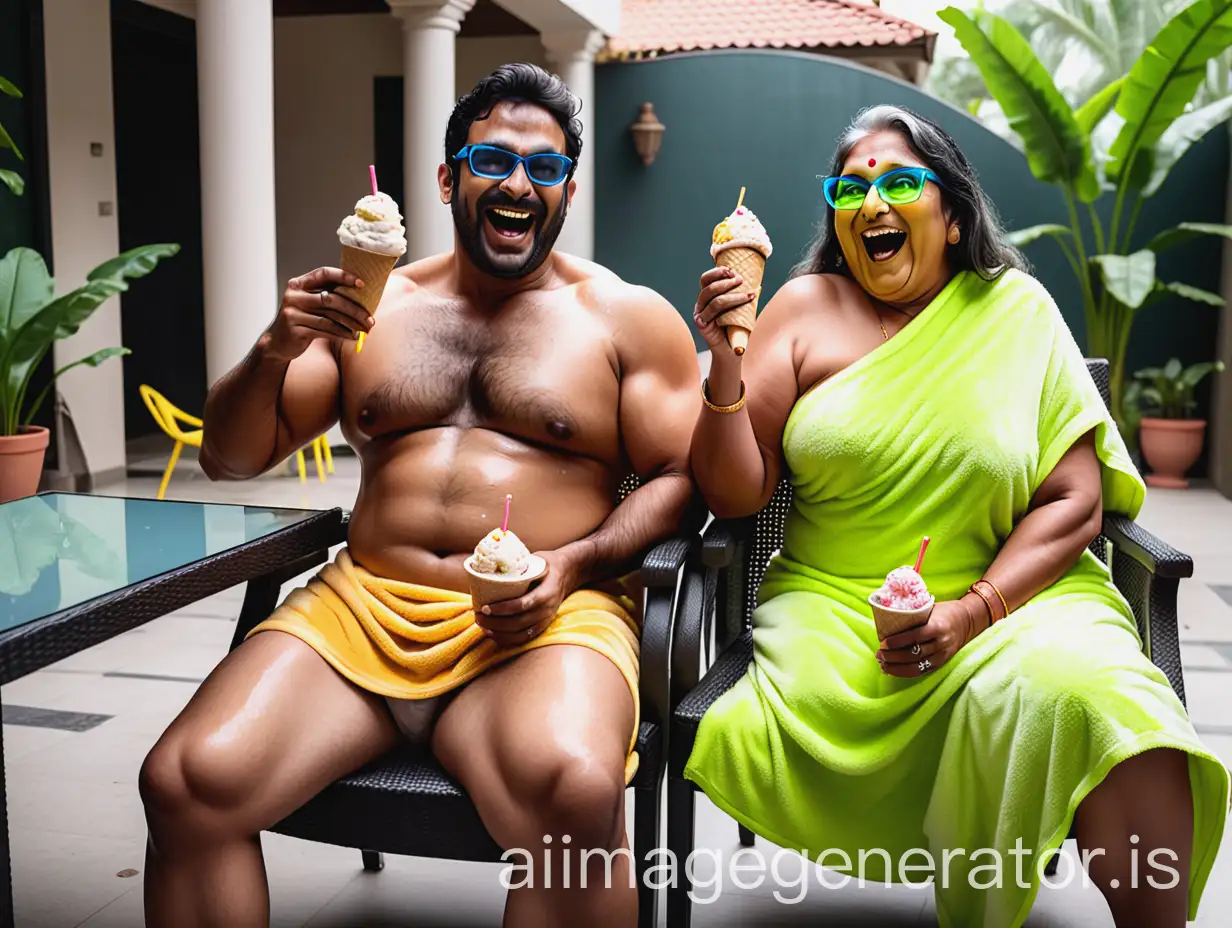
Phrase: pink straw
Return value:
(372, 174)
(919, 561)
(505, 524)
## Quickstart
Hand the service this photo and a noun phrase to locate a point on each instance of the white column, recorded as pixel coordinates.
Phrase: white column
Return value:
(572, 54)
(235, 87)
(429, 35)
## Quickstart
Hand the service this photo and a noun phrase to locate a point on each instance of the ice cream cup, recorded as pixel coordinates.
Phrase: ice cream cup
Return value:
(495, 588)
(894, 621)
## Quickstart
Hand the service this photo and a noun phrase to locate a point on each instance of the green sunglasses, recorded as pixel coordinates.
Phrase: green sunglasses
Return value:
(897, 187)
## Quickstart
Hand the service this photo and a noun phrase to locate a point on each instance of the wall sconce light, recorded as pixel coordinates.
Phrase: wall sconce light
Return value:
(647, 134)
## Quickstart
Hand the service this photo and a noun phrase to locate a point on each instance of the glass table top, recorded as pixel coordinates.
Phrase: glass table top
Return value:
(59, 550)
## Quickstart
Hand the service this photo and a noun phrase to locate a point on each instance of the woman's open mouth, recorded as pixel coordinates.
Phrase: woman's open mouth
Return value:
(883, 244)
(510, 223)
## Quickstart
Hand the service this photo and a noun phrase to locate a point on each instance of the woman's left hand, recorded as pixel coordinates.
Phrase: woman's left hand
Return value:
(922, 650)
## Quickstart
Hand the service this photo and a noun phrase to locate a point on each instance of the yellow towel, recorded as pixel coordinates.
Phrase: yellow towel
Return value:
(407, 641)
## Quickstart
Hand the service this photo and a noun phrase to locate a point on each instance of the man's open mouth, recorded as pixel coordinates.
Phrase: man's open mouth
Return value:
(511, 223)
(883, 244)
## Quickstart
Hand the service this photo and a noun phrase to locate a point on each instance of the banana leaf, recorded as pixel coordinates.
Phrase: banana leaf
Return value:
(25, 288)
(1058, 151)
(1166, 76)
(1179, 136)
(93, 360)
(13, 181)
(1129, 278)
(1183, 232)
(1197, 294)
(1020, 237)
(136, 262)
(1092, 113)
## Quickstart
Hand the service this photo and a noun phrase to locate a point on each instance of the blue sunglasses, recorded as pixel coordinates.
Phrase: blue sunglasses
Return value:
(546, 169)
(897, 187)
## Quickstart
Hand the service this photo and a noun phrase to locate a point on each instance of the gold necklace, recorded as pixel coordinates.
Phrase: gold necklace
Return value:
(884, 334)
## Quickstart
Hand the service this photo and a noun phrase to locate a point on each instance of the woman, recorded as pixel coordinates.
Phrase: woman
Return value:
(913, 380)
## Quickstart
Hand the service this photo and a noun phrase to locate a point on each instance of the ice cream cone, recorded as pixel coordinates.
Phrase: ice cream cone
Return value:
(495, 588)
(373, 268)
(750, 264)
(893, 621)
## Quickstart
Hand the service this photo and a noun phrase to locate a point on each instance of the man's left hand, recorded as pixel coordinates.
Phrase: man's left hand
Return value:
(516, 621)
(922, 650)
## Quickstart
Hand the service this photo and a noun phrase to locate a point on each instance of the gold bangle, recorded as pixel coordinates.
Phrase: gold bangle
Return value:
(1004, 604)
(992, 613)
(724, 409)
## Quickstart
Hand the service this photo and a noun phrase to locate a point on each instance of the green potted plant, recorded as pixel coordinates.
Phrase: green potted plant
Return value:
(1153, 125)
(32, 319)
(1171, 441)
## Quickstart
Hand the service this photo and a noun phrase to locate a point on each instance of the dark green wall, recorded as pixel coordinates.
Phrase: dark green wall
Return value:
(773, 130)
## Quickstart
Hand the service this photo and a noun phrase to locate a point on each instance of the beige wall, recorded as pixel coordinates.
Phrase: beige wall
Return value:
(79, 112)
(323, 127)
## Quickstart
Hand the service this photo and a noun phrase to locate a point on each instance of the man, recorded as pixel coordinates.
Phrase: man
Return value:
(501, 367)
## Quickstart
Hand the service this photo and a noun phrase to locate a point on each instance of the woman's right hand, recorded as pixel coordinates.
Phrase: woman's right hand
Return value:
(310, 310)
(719, 294)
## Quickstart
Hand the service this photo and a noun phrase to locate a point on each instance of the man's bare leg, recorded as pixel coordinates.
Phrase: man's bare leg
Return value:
(540, 745)
(1148, 797)
(271, 726)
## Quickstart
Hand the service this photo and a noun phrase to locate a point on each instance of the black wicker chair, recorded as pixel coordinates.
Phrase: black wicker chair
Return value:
(724, 577)
(405, 803)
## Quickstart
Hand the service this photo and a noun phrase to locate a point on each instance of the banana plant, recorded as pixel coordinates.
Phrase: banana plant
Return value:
(33, 318)
(1157, 126)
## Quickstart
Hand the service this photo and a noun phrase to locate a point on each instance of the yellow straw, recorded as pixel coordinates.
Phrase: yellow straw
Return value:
(741, 200)
(359, 345)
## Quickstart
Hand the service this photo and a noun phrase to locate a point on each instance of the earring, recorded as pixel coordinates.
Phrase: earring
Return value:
(954, 236)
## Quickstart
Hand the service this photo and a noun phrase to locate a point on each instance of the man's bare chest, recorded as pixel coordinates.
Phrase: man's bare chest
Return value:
(543, 370)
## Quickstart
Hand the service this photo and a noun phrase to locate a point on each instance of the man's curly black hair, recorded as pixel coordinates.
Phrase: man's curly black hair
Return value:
(519, 82)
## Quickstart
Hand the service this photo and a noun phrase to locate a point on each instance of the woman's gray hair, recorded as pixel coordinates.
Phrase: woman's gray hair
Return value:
(982, 248)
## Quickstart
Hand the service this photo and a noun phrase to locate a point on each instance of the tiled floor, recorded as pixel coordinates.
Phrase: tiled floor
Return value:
(76, 732)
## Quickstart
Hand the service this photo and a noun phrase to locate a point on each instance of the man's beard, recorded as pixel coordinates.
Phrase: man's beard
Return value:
(544, 233)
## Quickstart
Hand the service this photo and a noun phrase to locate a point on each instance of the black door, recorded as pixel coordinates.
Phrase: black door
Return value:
(154, 74)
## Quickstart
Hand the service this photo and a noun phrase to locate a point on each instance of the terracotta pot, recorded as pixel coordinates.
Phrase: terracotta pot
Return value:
(21, 462)
(1171, 446)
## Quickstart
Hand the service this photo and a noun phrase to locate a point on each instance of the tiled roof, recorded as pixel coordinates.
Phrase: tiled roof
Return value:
(662, 26)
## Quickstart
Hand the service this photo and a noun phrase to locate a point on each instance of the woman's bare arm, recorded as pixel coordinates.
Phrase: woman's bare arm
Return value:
(1065, 516)
(736, 458)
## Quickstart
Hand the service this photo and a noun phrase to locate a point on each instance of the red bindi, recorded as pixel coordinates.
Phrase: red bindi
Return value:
(872, 162)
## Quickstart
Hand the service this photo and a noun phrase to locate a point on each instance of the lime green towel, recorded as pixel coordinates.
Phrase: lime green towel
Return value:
(946, 430)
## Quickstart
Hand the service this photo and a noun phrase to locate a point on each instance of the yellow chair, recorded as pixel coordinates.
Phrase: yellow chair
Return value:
(320, 450)
(168, 417)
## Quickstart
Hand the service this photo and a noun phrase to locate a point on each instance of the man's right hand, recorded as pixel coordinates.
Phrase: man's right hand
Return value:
(310, 310)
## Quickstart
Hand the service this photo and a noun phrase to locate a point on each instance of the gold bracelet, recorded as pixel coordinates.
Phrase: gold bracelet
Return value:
(1004, 604)
(724, 409)
(992, 613)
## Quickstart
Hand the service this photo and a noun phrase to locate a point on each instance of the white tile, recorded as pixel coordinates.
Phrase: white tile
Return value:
(59, 880)
(1196, 655)
(118, 695)
(1209, 698)
(20, 740)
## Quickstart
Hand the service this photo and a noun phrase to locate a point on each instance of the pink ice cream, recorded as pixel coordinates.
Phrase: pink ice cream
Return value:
(904, 589)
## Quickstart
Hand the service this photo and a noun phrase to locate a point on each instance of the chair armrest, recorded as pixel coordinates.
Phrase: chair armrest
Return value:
(660, 572)
(727, 669)
(1157, 556)
(719, 542)
(662, 564)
